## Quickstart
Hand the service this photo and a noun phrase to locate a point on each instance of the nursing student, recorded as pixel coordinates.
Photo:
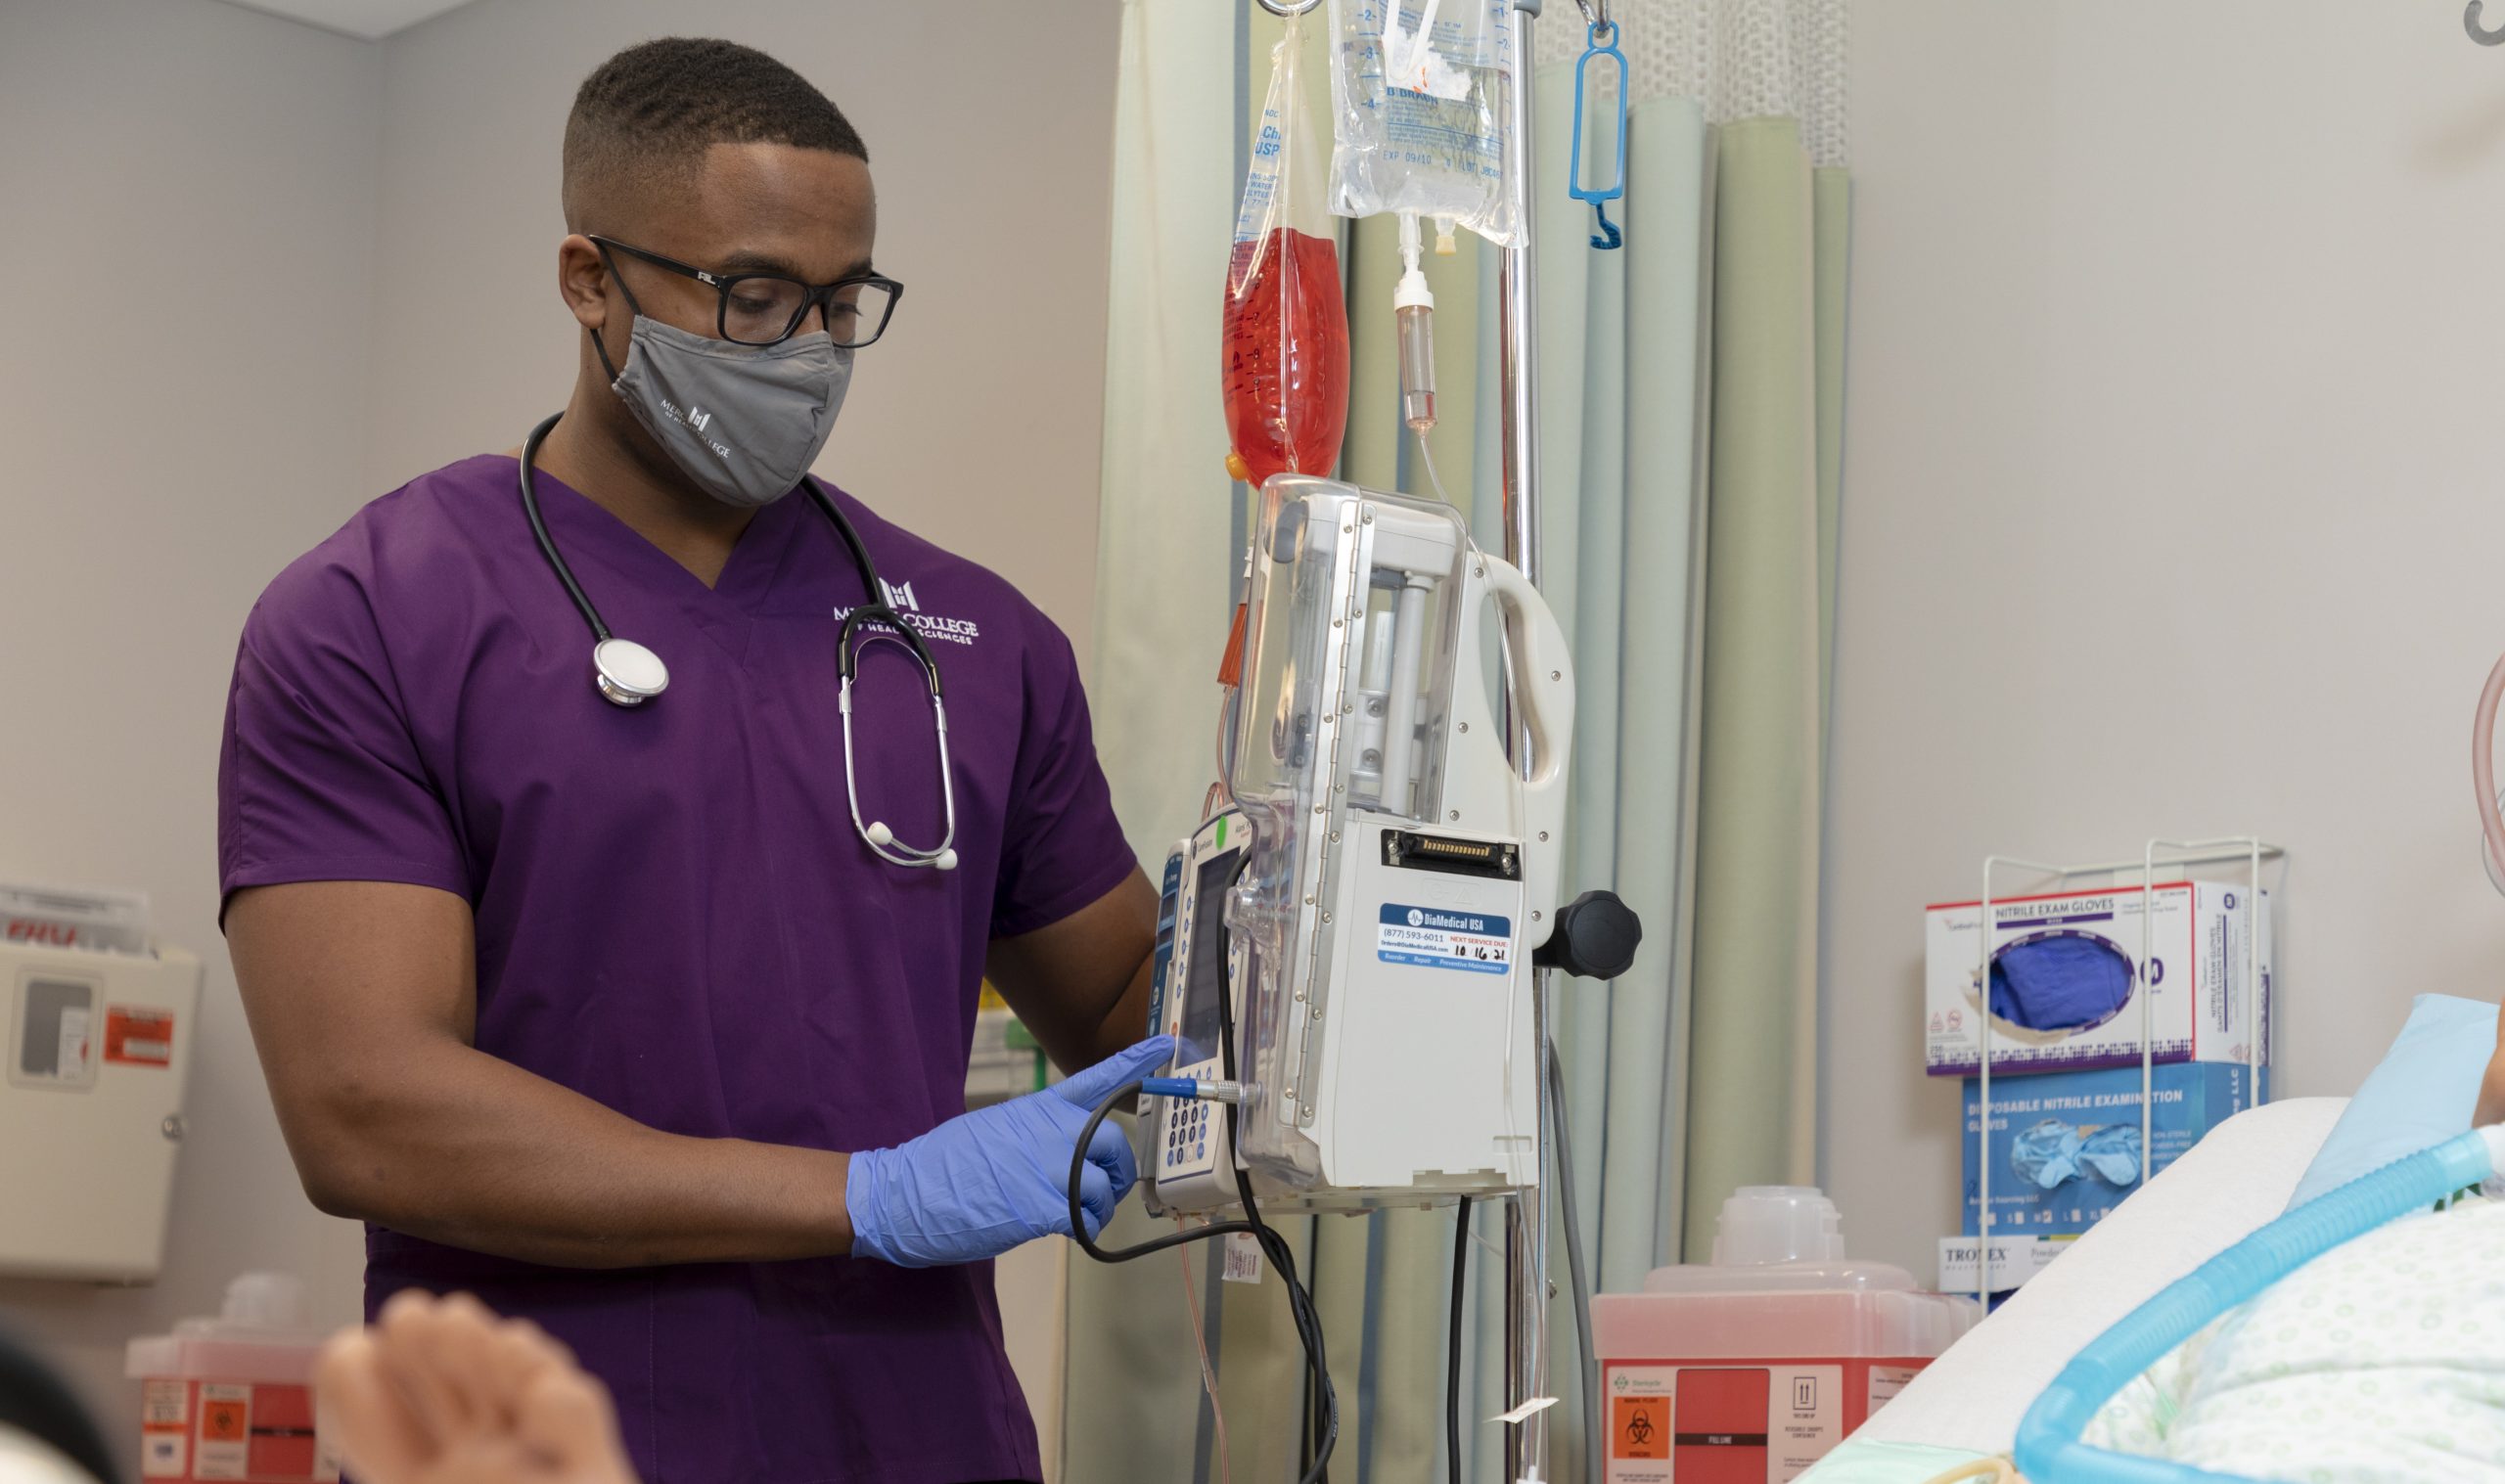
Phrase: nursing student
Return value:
(634, 997)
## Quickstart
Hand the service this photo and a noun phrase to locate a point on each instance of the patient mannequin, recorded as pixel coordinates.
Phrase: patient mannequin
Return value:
(2380, 1362)
(441, 1391)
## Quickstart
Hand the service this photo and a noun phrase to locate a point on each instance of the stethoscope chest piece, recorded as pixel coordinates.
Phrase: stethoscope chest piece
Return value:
(628, 674)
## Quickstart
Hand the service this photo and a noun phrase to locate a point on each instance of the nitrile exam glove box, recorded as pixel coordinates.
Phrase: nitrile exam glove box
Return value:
(2065, 1146)
(2069, 972)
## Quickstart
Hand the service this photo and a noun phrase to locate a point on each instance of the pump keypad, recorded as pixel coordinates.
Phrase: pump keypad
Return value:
(1187, 1134)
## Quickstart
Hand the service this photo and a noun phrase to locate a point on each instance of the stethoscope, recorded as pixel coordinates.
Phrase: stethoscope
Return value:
(629, 674)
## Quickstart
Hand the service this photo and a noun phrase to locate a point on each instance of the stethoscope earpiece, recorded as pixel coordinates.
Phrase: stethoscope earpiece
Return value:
(627, 673)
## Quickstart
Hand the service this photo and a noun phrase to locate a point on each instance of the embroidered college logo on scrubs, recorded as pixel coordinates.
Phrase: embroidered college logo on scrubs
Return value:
(930, 626)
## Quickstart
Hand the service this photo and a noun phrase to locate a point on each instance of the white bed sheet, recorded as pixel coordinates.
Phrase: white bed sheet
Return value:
(2222, 1189)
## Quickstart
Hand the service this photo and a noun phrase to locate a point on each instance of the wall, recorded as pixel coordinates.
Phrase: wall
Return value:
(308, 268)
(2171, 498)
(975, 420)
(187, 227)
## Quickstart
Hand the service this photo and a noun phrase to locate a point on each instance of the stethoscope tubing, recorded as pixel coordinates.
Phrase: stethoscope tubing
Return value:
(855, 635)
(548, 543)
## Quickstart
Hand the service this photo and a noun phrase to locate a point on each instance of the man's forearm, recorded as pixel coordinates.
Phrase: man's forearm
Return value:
(1082, 985)
(463, 1149)
(1126, 1022)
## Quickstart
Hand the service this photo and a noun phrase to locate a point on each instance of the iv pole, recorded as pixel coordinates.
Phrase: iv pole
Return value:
(1528, 1290)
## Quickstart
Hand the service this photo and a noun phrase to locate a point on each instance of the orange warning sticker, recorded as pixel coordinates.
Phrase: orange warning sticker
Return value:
(225, 1421)
(139, 1037)
(1639, 1427)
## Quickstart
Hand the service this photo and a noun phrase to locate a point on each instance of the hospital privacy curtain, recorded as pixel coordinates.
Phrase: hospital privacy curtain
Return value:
(1691, 419)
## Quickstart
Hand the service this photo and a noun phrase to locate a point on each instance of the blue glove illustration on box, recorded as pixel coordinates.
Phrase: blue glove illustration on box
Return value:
(2046, 1154)
(2113, 1152)
(2059, 980)
(2053, 1151)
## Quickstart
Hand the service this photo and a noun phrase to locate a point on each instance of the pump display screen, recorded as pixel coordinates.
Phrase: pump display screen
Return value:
(1205, 977)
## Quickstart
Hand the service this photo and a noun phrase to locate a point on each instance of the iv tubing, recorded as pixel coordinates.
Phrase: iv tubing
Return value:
(1208, 1376)
(1413, 308)
(2483, 769)
(1427, 456)
(2049, 1450)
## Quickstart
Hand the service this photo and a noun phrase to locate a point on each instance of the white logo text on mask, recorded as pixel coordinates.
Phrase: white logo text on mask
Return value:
(697, 421)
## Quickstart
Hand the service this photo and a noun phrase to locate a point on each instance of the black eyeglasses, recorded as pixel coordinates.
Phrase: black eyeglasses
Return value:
(767, 308)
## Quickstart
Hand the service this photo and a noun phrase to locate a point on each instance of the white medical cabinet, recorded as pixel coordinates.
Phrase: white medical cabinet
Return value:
(99, 1048)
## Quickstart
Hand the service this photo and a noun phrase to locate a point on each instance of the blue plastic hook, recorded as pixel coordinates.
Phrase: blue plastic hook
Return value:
(1600, 42)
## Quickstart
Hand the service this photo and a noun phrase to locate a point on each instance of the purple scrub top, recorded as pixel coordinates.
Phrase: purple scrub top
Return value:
(676, 918)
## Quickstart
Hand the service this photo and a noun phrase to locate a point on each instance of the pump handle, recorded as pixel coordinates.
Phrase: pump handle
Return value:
(1542, 672)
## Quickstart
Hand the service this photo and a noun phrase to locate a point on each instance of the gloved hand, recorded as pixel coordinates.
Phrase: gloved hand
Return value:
(981, 1184)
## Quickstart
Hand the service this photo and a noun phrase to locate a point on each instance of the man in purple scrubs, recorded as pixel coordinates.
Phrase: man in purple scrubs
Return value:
(612, 1015)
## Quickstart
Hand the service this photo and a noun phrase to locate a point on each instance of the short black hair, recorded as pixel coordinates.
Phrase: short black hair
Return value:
(651, 112)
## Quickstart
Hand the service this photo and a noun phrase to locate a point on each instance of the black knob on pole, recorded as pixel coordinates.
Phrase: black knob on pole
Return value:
(1595, 937)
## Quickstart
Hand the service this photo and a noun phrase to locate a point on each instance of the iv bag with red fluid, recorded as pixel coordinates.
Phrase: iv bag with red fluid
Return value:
(1287, 356)
(1285, 343)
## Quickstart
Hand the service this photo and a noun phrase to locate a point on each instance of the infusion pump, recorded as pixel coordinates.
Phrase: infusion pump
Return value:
(1371, 900)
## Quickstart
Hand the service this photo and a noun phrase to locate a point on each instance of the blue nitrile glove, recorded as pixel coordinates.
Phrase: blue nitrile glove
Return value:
(981, 1184)
(2046, 1154)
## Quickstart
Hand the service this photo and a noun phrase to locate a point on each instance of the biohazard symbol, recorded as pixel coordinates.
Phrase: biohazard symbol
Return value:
(223, 1421)
(1642, 1426)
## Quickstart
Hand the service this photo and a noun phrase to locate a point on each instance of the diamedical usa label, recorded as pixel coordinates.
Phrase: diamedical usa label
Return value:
(1428, 937)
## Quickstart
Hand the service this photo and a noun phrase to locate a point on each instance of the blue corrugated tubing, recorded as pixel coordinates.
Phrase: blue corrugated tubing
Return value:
(2049, 1450)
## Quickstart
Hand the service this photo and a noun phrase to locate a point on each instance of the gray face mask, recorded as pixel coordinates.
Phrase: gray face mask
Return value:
(744, 422)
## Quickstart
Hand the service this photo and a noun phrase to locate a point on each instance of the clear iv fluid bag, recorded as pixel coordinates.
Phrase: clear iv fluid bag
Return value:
(1287, 354)
(1421, 94)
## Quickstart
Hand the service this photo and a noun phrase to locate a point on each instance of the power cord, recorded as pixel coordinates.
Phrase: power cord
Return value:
(1578, 1281)
(1273, 1246)
(1452, 1358)
(1321, 1429)
(1324, 1397)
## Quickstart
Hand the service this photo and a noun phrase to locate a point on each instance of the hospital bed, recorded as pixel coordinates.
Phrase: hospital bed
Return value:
(2232, 1182)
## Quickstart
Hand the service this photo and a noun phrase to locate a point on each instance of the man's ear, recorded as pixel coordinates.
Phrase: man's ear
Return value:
(583, 281)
